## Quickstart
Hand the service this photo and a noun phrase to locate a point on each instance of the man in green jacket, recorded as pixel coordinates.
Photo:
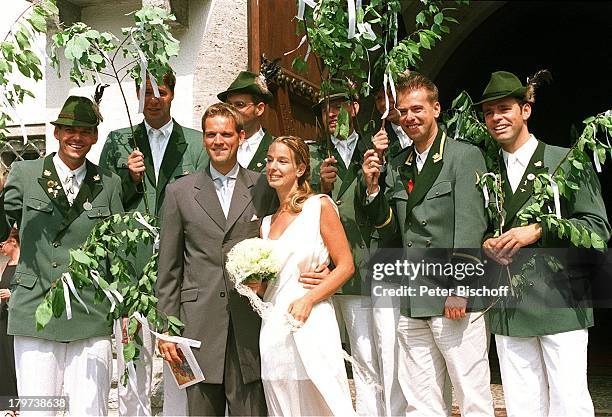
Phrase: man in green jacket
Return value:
(335, 171)
(56, 202)
(432, 201)
(249, 94)
(542, 336)
(164, 152)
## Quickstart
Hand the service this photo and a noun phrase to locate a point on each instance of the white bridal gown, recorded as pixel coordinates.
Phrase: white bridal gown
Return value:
(302, 371)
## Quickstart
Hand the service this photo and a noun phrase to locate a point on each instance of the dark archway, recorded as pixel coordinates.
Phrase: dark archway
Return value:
(571, 39)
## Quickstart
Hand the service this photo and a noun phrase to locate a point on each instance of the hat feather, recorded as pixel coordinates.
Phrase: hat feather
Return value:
(534, 82)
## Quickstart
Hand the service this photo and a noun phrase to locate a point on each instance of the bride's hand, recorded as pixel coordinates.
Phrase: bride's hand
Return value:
(300, 309)
(258, 287)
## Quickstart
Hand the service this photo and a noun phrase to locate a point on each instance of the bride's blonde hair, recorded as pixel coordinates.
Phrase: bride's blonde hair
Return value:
(301, 155)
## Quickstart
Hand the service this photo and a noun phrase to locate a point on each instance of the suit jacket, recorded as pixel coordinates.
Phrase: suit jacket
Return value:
(443, 216)
(258, 162)
(192, 282)
(48, 228)
(356, 226)
(184, 154)
(551, 302)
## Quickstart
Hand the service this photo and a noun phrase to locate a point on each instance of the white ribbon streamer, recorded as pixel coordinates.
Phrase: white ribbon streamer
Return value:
(302, 7)
(485, 191)
(386, 113)
(140, 219)
(596, 160)
(297, 47)
(174, 339)
(555, 190)
(144, 64)
(352, 18)
(111, 293)
(68, 286)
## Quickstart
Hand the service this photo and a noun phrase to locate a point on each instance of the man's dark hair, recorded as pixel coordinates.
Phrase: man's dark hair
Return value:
(169, 80)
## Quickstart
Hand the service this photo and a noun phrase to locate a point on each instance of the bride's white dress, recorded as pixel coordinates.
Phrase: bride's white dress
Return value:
(302, 371)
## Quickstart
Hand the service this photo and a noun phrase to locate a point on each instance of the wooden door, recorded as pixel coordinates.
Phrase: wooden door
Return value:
(272, 32)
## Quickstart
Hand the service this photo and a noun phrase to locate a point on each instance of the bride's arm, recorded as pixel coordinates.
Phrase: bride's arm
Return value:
(335, 240)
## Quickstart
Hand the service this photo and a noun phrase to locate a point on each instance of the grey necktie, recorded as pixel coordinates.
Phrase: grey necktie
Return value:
(223, 194)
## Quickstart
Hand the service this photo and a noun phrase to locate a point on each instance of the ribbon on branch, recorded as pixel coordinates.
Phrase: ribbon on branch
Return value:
(69, 287)
(302, 7)
(556, 198)
(144, 70)
(352, 18)
(485, 191)
(111, 293)
(388, 80)
(140, 219)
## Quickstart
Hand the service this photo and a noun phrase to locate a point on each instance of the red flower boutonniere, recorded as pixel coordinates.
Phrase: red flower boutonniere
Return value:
(410, 185)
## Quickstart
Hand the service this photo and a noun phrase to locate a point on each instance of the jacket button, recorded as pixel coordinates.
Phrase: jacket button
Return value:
(409, 244)
(56, 244)
(531, 283)
(54, 264)
(424, 222)
(124, 165)
(409, 224)
(222, 294)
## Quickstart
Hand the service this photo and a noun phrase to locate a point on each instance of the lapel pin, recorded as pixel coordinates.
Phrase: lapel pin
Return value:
(185, 172)
(338, 202)
(96, 177)
(259, 165)
(530, 177)
(437, 157)
(87, 205)
(47, 173)
(537, 164)
(522, 190)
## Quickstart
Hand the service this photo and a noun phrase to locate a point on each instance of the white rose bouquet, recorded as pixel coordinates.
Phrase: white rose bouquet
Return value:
(253, 260)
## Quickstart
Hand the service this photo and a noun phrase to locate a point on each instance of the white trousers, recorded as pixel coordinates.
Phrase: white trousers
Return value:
(175, 399)
(428, 349)
(82, 368)
(135, 403)
(545, 375)
(356, 311)
(386, 314)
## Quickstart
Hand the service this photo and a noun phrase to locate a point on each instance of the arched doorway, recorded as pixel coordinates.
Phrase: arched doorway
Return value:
(569, 39)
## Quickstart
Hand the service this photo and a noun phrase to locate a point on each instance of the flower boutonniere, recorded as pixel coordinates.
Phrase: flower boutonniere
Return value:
(46, 173)
(96, 178)
(538, 164)
(53, 187)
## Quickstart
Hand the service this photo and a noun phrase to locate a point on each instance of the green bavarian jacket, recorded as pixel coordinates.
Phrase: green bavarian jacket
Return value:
(258, 162)
(550, 303)
(442, 219)
(184, 154)
(356, 226)
(48, 228)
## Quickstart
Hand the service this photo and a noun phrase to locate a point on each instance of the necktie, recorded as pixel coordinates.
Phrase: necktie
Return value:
(156, 140)
(223, 194)
(70, 192)
(244, 154)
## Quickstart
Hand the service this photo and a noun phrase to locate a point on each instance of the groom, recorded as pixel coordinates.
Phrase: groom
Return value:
(205, 214)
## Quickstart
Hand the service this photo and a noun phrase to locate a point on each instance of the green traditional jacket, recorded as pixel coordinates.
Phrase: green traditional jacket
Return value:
(441, 219)
(551, 302)
(356, 226)
(48, 229)
(184, 155)
(258, 162)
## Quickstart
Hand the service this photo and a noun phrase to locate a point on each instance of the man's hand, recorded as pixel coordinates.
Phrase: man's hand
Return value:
(454, 307)
(328, 175)
(5, 294)
(380, 142)
(371, 170)
(311, 279)
(491, 252)
(503, 248)
(169, 352)
(136, 166)
(300, 309)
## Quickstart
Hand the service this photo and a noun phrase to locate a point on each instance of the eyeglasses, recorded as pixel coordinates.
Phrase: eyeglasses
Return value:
(240, 104)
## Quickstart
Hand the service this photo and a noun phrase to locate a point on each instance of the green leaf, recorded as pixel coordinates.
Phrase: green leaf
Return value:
(438, 18)
(575, 236)
(577, 164)
(586, 238)
(38, 22)
(175, 321)
(81, 257)
(343, 125)
(43, 313)
(22, 38)
(424, 40)
(129, 351)
(597, 242)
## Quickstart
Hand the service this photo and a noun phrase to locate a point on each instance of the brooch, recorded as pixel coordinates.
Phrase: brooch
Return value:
(96, 177)
(53, 187)
(46, 173)
(530, 177)
(537, 164)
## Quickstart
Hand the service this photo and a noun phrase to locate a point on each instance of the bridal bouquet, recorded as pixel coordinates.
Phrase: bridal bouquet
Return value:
(253, 260)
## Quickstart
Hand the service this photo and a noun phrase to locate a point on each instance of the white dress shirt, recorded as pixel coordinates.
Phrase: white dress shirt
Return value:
(246, 151)
(516, 163)
(346, 148)
(224, 186)
(405, 141)
(158, 141)
(71, 179)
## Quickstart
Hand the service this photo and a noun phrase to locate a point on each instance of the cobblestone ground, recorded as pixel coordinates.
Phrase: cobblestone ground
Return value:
(600, 385)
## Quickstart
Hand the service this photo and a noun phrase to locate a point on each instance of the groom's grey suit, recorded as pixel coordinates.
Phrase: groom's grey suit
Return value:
(193, 285)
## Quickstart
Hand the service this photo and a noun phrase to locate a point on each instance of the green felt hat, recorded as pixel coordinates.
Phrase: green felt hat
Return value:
(247, 83)
(501, 85)
(338, 91)
(78, 111)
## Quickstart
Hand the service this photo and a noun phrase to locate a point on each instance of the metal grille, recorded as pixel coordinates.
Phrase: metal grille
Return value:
(14, 149)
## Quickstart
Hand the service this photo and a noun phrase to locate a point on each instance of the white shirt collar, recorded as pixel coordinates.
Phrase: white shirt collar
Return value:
(524, 153)
(165, 129)
(233, 173)
(63, 172)
(346, 147)
(255, 139)
(403, 137)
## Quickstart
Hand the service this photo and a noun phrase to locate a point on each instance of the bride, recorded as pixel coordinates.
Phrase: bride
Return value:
(302, 366)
